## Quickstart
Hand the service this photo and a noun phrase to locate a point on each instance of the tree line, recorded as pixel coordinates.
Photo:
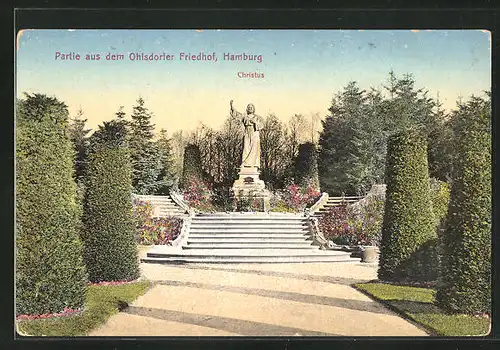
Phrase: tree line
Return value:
(354, 136)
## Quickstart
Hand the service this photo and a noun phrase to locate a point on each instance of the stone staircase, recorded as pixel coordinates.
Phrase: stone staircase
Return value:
(246, 238)
(162, 205)
(334, 202)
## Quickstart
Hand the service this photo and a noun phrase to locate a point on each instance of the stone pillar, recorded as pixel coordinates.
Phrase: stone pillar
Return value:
(249, 185)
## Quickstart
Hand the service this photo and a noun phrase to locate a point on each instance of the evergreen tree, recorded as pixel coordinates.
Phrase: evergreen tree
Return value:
(50, 274)
(441, 148)
(192, 170)
(466, 246)
(120, 117)
(409, 222)
(306, 166)
(341, 162)
(110, 252)
(354, 137)
(120, 114)
(166, 175)
(78, 136)
(146, 161)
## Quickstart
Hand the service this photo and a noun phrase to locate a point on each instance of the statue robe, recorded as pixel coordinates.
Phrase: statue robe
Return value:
(251, 140)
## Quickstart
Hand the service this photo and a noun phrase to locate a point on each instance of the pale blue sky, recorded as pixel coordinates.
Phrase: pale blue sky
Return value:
(302, 69)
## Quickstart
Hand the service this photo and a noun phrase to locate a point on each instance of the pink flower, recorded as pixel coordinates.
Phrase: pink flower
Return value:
(65, 312)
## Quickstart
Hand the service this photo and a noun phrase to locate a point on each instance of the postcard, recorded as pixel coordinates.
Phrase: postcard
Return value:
(217, 182)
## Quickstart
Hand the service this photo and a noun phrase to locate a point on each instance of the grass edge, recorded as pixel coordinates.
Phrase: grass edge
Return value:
(431, 331)
(151, 284)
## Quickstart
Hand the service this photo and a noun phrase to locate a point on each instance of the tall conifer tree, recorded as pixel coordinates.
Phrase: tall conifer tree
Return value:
(146, 160)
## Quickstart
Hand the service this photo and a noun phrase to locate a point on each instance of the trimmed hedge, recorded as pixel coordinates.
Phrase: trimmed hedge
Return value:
(110, 248)
(306, 166)
(192, 166)
(50, 274)
(466, 254)
(408, 218)
(440, 198)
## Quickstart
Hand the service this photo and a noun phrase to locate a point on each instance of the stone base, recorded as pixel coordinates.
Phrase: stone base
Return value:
(249, 186)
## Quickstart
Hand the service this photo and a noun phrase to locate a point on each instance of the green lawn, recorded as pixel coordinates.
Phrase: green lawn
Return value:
(417, 305)
(101, 303)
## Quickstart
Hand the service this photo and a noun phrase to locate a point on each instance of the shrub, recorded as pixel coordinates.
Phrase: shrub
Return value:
(299, 198)
(280, 206)
(50, 274)
(293, 199)
(440, 199)
(221, 198)
(198, 194)
(466, 255)
(191, 170)
(337, 225)
(369, 215)
(249, 203)
(306, 166)
(408, 218)
(110, 248)
(152, 230)
(142, 212)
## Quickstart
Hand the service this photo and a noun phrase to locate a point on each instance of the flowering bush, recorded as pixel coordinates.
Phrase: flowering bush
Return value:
(369, 214)
(355, 224)
(159, 231)
(337, 225)
(294, 198)
(198, 194)
(250, 203)
(142, 212)
(299, 198)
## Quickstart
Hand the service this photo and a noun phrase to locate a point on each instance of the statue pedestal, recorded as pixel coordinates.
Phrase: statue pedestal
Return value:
(250, 187)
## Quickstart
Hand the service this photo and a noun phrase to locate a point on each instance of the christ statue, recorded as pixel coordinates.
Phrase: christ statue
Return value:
(251, 140)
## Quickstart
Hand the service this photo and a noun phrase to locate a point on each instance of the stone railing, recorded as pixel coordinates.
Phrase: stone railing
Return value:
(183, 235)
(317, 235)
(178, 199)
(319, 203)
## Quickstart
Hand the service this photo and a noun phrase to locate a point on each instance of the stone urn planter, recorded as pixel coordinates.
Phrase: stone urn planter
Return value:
(369, 254)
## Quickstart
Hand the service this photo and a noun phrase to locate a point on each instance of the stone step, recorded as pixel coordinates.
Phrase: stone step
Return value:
(216, 222)
(244, 230)
(161, 251)
(170, 211)
(270, 236)
(255, 225)
(163, 205)
(248, 259)
(249, 216)
(245, 240)
(252, 223)
(326, 208)
(239, 246)
(157, 200)
(234, 259)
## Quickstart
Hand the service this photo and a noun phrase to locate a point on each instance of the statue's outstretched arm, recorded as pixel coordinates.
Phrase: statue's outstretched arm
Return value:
(234, 112)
